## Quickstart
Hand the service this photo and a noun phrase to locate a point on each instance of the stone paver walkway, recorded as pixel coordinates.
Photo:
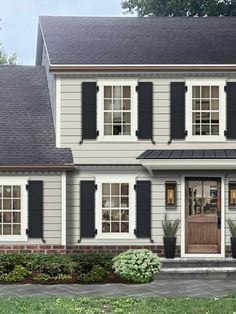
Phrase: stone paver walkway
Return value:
(164, 288)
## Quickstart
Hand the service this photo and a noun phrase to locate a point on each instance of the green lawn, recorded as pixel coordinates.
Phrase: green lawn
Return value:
(63, 305)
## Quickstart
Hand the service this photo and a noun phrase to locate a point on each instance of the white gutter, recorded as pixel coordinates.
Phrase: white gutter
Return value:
(140, 67)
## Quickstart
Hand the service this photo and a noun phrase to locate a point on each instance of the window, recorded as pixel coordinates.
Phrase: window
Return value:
(115, 208)
(203, 196)
(170, 194)
(205, 108)
(12, 210)
(117, 117)
(232, 194)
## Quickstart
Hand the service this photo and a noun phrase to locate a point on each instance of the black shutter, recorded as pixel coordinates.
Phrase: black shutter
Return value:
(231, 110)
(35, 204)
(177, 110)
(87, 209)
(89, 110)
(145, 116)
(143, 215)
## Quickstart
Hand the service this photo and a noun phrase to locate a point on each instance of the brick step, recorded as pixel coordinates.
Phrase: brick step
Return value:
(198, 273)
(198, 262)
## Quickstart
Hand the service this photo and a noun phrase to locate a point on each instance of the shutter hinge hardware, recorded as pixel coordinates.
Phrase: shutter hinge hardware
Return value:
(26, 231)
(27, 187)
(97, 88)
(225, 88)
(136, 133)
(135, 187)
(186, 132)
(153, 142)
(137, 88)
(186, 88)
(96, 231)
(97, 133)
(96, 187)
(81, 141)
(135, 231)
(225, 132)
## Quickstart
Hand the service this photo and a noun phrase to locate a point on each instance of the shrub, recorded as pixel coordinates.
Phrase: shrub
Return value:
(51, 264)
(86, 261)
(96, 274)
(137, 265)
(19, 273)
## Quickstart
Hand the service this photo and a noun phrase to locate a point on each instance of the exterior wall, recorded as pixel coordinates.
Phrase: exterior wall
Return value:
(52, 190)
(158, 207)
(95, 152)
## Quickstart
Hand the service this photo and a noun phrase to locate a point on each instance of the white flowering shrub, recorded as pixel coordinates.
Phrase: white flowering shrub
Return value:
(137, 265)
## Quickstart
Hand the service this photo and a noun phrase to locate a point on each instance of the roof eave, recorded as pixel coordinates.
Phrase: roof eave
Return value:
(140, 67)
(188, 164)
(37, 166)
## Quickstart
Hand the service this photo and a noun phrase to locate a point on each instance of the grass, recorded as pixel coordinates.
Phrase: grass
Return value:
(85, 305)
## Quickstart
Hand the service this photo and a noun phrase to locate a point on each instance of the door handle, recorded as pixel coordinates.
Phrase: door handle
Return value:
(218, 219)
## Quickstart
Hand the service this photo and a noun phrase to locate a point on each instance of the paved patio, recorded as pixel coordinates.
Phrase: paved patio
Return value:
(162, 288)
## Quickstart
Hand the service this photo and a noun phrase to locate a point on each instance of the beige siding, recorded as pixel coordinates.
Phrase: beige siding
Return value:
(95, 152)
(52, 203)
(158, 205)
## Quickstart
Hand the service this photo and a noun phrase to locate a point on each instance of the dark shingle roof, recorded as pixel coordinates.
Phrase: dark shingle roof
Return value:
(189, 154)
(26, 126)
(137, 40)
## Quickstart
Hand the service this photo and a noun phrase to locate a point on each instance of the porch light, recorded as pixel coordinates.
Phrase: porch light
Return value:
(232, 194)
(170, 194)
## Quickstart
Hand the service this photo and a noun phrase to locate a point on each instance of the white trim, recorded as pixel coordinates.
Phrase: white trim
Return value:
(222, 110)
(143, 65)
(22, 181)
(183, 253)
(58, 112)
(133, 110)
(189, 164)
(63, 208)
(115, 178)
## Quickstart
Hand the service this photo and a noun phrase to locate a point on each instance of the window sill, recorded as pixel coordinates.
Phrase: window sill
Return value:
(115, 237)
(9, 238)
(105, 139)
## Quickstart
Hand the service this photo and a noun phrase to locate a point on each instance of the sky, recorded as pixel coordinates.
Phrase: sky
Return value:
(19, 19)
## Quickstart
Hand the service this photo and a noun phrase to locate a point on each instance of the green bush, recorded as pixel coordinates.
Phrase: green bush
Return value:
(19, 273)
(51, 264)
(137, 265)
(96, 274)
(84, 262)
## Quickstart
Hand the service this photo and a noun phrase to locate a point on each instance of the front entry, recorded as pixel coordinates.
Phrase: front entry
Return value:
(203, 215)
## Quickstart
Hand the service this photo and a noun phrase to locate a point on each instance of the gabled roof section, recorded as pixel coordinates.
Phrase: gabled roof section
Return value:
(26, 128)
(139, 40)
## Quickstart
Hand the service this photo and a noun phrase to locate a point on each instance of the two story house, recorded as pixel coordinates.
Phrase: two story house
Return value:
(139, 123)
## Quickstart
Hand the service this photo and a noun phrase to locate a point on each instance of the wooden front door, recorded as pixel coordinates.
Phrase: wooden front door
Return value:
(203, 215)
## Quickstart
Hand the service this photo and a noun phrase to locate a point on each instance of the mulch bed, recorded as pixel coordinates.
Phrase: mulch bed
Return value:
(113, 278)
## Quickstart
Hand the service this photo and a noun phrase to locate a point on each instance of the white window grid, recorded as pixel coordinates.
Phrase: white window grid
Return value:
(10, 210)
(121, 111)
(123, 220)
(210, 112)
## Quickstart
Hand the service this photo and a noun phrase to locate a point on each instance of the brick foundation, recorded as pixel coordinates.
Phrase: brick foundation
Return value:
(159, 249)
(31, 248)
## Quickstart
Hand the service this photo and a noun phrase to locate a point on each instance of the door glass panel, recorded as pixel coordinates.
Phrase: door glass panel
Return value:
(203, 197)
